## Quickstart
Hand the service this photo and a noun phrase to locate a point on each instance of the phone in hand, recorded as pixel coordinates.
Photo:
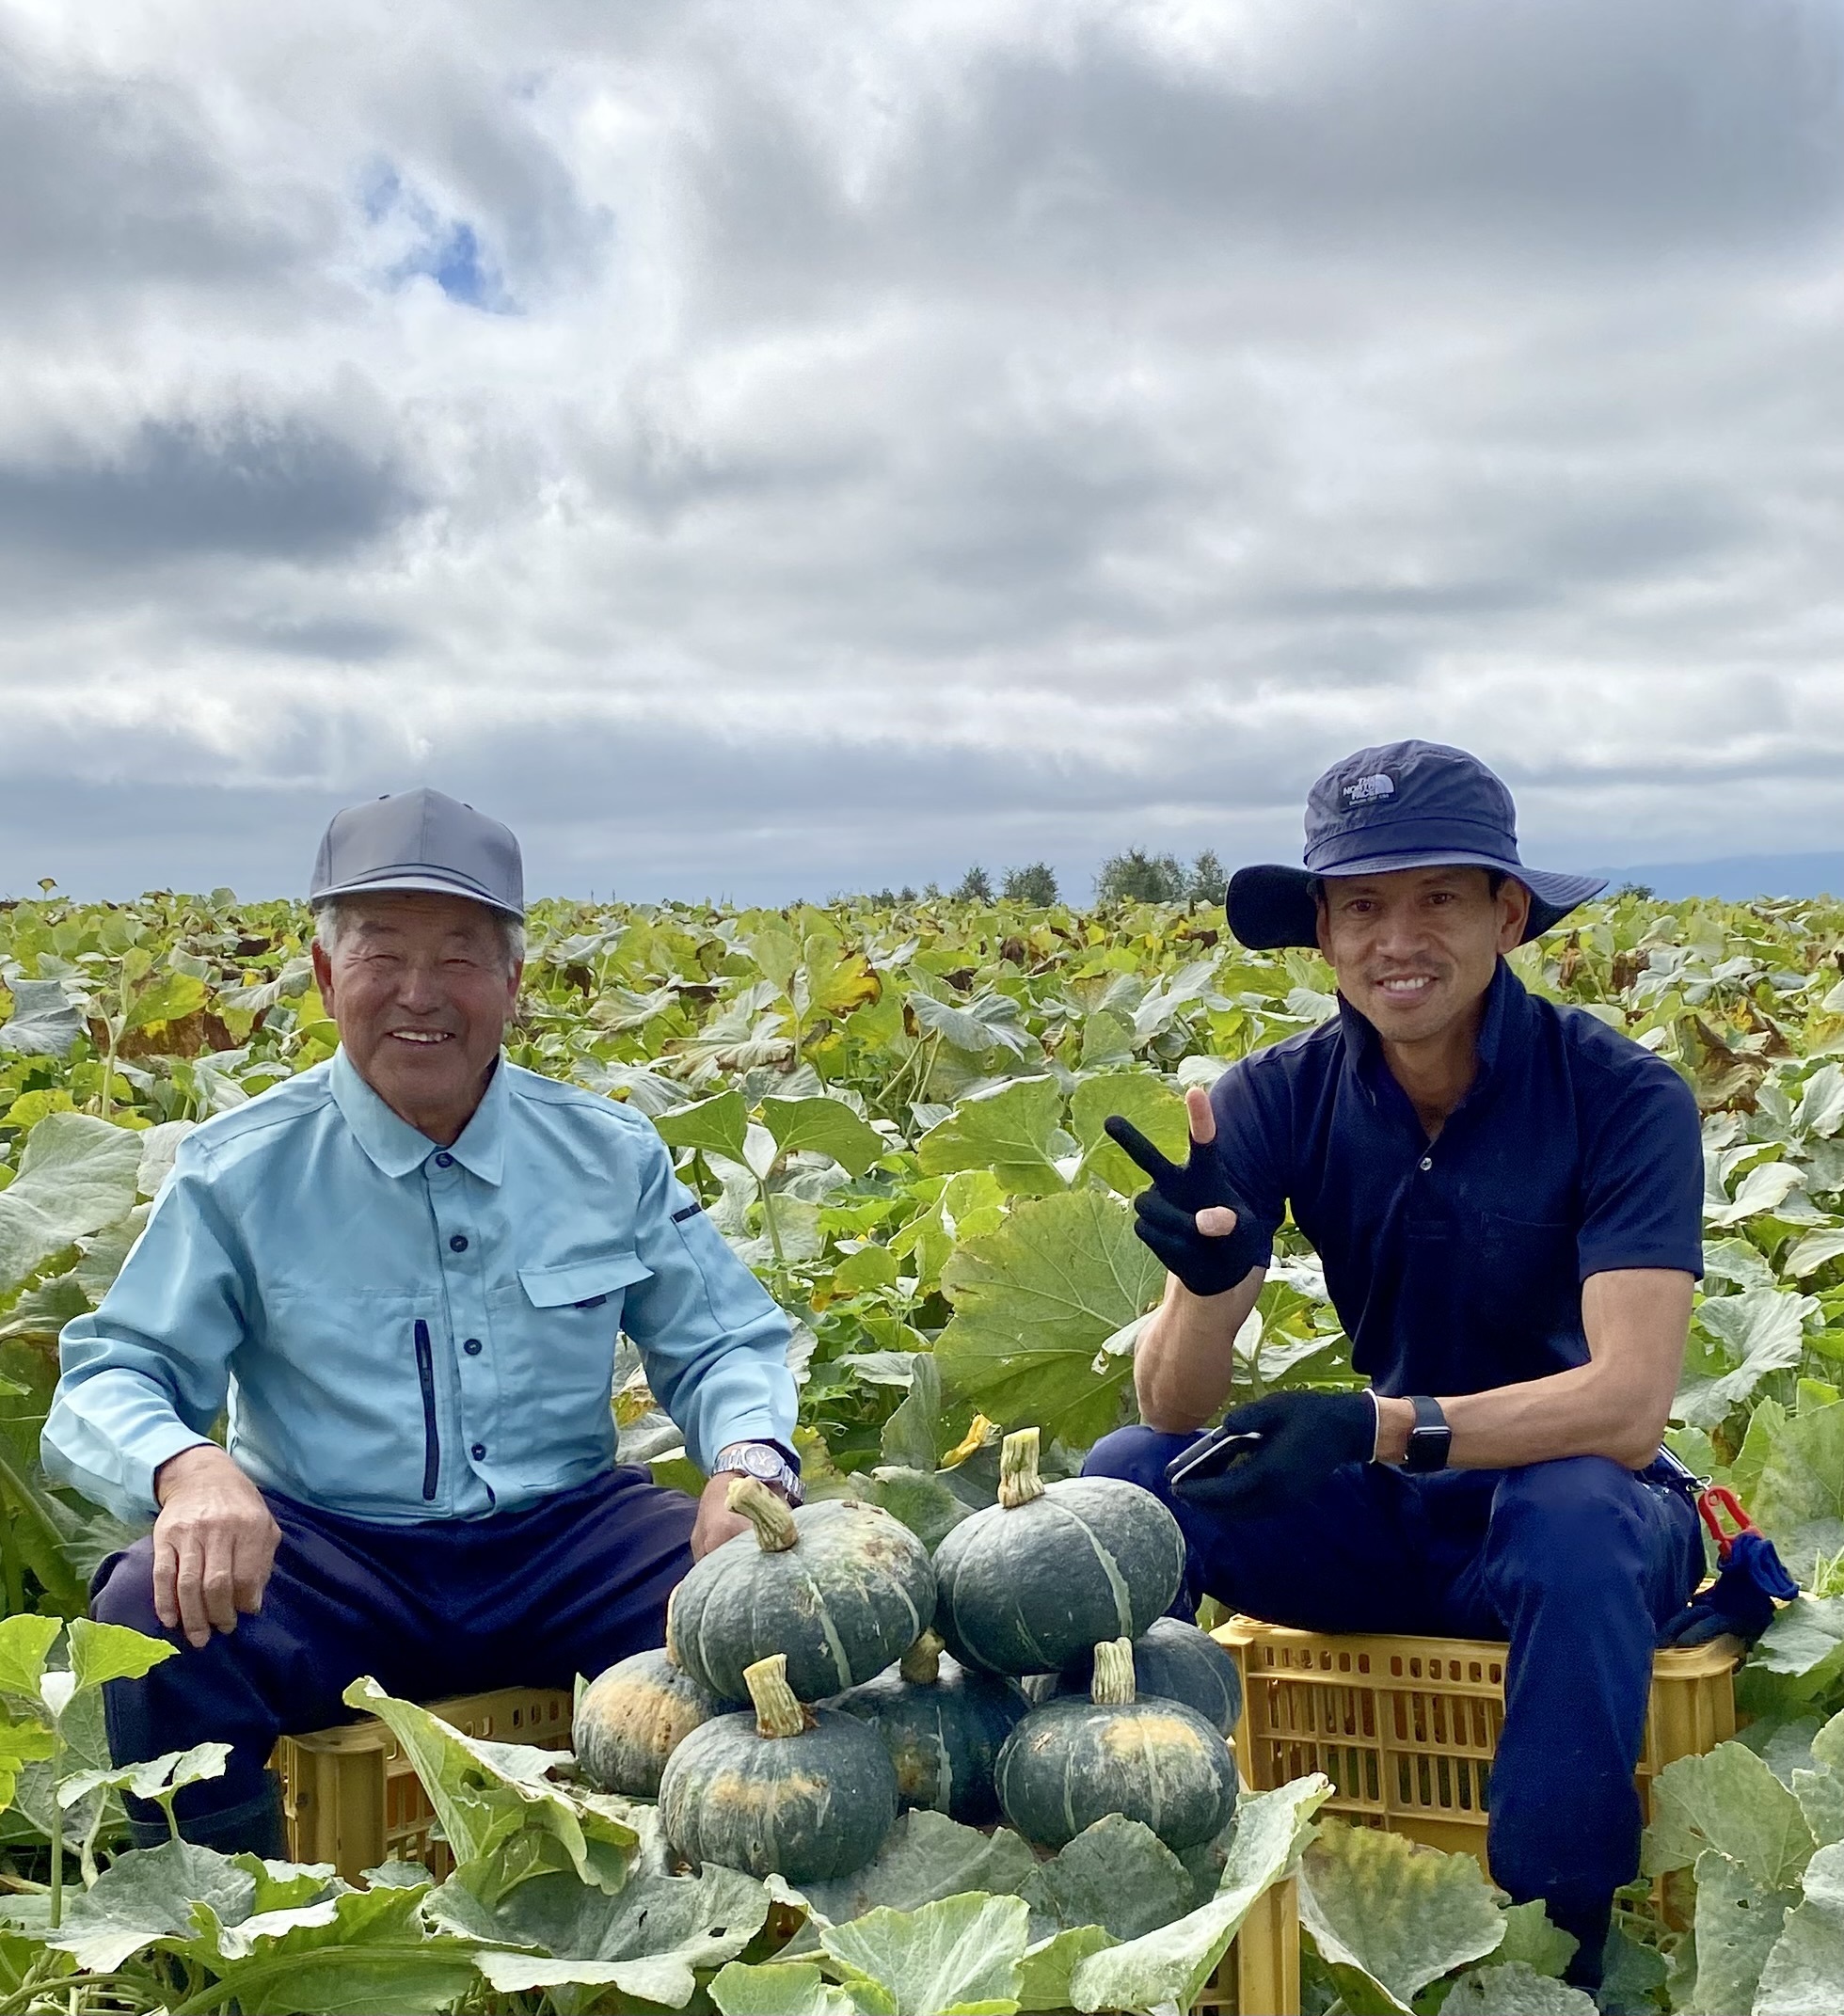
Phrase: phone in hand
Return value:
(1211, 1455)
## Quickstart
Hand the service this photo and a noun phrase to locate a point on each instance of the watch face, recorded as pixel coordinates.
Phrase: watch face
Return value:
(752, 1458)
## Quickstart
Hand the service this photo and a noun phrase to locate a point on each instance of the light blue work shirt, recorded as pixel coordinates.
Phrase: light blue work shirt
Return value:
(402, 1331)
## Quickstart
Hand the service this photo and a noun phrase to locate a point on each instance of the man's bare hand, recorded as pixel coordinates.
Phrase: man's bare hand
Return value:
(716, 1523)
(213, 1544)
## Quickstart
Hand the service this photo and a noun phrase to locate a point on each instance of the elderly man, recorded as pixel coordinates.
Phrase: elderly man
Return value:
(402, 1273)
(1506, 1196)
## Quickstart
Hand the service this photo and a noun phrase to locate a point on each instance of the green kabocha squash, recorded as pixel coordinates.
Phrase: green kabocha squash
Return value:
(1073, 1761)
(1176, 1662)
(943, 1723)
(1029, 1584)
(633, 1716)
(780, 1788)
(842, 1589)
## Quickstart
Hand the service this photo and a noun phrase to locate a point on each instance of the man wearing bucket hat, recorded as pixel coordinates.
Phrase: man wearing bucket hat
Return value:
(1506, 1199)
(402, 1273)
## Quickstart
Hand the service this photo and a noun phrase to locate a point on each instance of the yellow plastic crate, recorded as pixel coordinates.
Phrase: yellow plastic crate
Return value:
(350, 1797)
(1261, 1973)
(1405, 1729)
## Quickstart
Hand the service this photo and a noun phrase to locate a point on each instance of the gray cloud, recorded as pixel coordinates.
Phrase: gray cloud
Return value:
(770, 449)
(240, 486)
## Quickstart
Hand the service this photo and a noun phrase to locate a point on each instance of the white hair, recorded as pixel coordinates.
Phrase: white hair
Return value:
(333, 916)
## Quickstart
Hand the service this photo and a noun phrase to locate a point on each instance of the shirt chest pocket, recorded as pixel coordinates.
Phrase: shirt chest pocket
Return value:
(593, 1286)
(1529, 1271)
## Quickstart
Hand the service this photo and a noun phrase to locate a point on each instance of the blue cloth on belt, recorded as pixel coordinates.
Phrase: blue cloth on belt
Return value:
(1577, 1563)
(527, 1598)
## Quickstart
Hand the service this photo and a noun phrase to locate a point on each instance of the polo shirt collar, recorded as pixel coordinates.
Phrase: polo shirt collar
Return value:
(395, 1148)
(1508, 1013)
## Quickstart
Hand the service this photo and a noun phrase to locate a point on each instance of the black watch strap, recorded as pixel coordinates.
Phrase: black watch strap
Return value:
(1430, 1438)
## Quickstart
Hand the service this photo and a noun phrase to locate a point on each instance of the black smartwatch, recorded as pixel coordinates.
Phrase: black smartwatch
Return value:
(1430, 1438)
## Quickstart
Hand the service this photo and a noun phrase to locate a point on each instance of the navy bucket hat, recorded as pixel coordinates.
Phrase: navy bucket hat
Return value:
(1405, 805)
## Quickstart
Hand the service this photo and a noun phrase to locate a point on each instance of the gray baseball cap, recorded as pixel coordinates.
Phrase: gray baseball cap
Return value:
(423, 840)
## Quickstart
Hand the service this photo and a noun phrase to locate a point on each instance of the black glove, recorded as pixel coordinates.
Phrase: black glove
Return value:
(1166, 1216)
(1305, 1438)
(1739, 1602)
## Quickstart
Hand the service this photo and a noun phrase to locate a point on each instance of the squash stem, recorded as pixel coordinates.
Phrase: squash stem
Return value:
(1113, 1686)
(774, 1521)
(1019, 1482)
(921, 1663)
(777, 1712)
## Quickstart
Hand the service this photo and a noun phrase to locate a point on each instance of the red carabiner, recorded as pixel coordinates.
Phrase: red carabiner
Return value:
(1715, 1498)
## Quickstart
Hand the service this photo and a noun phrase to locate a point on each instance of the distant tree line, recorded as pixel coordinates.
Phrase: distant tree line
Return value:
(1135, 877)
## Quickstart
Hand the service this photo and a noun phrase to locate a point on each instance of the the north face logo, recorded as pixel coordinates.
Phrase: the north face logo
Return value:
(1368, 790)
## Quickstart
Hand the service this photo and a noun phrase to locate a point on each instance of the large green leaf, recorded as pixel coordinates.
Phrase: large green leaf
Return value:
(1172, 1964)
(988, 1020)
(925, 1857)
(647, 1941)
(1730, 1801)
(76, 1176)
(165, 997)
(1532, 1940)
(43, 1023)
(1735, 1925)
(1805, 1972)
(1033, 1302)
(352, 1954)
(1149, 1103)
(1762, 1331)
(718, 1126)
(1806, 1643)
(486, 1793)
(103, 1652)
(1388, 1917)
(961, 1957)
(1514, 1989)
(25, 1642)
(795, 1987)
(148, 1895)
(21, 1743)
(1116, 1874)
(1046, 1979)
(1797, 1491)
(824, 1127)
(1013, 1131)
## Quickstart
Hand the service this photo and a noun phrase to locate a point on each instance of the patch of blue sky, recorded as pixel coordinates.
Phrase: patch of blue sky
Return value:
(446, 250)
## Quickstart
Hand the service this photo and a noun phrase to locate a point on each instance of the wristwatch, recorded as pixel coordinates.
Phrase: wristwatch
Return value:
(765, 1463)
(1430, 1438)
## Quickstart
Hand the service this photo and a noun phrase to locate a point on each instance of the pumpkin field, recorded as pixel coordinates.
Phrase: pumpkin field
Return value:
(895, 1115)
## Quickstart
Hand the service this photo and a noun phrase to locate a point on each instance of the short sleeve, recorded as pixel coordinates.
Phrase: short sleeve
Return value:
(1252, 1129)
(1642, 1176)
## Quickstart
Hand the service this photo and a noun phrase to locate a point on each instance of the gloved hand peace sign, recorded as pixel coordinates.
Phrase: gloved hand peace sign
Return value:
(1192, 1217)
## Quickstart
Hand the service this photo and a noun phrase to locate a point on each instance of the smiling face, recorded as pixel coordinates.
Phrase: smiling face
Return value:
(1415, 950)
(422, 990)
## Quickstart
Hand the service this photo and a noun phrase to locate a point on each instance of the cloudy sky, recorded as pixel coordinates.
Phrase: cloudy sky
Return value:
(769, 449)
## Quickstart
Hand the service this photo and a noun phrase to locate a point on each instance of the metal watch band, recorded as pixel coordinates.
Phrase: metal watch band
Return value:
(762, 1461)
(1430, 1438)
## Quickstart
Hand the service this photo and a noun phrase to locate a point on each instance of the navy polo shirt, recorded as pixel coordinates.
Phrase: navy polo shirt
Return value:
(1456, 1264)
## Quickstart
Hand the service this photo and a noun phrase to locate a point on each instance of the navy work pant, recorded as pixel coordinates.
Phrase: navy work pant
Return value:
(524, 1598)
(1577, 1563)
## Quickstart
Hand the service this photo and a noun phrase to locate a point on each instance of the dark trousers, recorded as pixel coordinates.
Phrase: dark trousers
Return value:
(1577, 1563)
(524, 1598)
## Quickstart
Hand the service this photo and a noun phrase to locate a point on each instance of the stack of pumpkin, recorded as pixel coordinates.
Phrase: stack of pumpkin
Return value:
(878, 1679)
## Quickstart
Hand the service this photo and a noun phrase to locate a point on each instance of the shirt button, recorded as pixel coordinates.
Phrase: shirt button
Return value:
(478, 1450)
(444, 1161)
(472, 1347)
(458, 1244)
(1427, 1162)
